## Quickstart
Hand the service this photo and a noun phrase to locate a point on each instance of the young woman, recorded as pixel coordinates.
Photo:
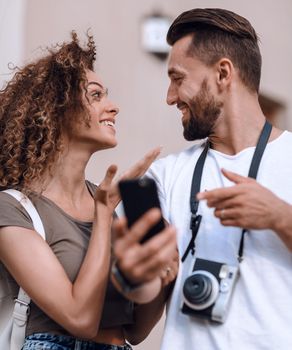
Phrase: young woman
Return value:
(54, 114)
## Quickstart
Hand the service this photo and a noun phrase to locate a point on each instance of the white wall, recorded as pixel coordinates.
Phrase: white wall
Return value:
(138, 81)
(12, 39)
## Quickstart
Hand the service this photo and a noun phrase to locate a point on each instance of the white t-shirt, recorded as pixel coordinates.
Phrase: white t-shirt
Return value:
(260, 313)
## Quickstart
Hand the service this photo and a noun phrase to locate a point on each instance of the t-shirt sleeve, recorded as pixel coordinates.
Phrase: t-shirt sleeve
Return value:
(155, 173)
(12, 213)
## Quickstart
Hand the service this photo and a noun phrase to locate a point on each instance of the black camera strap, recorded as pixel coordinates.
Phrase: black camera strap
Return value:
(196, 185)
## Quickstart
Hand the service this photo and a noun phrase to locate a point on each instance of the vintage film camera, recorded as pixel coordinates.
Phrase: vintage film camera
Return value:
(207, 291)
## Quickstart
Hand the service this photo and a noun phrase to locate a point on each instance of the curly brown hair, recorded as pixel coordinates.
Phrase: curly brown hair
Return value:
(42, 100)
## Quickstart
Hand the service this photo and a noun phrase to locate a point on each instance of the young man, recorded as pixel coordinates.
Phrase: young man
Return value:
(214, 70)
(234, 232)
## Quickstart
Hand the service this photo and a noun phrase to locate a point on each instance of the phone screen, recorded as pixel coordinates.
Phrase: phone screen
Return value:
(138, 196)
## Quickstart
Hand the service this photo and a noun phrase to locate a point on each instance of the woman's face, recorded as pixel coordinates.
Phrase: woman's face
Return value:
(101, 133)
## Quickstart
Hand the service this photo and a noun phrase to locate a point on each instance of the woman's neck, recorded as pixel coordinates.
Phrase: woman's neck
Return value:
(67, 178)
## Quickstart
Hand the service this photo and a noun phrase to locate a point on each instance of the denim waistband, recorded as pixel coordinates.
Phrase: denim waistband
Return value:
(47, 341)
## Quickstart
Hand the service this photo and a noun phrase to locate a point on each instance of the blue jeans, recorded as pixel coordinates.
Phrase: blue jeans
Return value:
(46, 341)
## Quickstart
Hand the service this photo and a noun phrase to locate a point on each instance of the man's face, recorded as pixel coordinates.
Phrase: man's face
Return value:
(191, 83)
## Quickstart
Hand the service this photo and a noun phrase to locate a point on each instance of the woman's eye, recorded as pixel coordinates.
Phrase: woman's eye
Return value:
(97, 94)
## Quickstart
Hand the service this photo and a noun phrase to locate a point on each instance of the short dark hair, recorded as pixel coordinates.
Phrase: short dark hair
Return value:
(221, 33)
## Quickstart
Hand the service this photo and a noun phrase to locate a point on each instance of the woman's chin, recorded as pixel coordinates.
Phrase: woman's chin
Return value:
(107, 145)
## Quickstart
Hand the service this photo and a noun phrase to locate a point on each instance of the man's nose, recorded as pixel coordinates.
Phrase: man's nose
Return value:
(171, 97)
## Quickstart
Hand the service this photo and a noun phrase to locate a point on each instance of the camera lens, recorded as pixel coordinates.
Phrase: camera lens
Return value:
(200, 290)
(197, 289)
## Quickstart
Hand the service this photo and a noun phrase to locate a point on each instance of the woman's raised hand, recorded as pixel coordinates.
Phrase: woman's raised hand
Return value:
(103, 193)
(140, 168)
(107, 192)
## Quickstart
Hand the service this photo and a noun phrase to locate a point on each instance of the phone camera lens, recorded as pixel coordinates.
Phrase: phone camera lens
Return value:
(144, 181)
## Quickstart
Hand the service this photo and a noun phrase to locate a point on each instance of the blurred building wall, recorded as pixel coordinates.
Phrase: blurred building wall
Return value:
(12, 36)
(138, 80)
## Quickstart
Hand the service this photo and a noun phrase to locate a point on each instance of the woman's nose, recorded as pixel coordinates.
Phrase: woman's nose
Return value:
(112, 108)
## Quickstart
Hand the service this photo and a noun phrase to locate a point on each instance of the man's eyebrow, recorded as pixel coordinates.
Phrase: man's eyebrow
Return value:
(94, 83)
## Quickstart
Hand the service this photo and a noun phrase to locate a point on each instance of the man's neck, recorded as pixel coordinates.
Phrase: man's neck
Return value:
(239, 126)
(232, 139)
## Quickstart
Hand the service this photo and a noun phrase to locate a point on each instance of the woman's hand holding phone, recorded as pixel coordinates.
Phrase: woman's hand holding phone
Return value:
(144, 264)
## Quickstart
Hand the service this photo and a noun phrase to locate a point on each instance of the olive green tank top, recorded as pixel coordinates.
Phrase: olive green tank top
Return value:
(68, 239)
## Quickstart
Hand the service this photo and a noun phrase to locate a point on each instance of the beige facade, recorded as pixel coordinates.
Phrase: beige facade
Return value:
(136, 79)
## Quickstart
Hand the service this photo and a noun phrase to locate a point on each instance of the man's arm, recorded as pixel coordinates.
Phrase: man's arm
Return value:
(250, 205)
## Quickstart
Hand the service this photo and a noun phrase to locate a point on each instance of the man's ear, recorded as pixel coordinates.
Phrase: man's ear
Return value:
(225, 71)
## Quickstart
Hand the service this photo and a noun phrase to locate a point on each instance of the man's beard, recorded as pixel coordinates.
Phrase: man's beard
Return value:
(204, 112)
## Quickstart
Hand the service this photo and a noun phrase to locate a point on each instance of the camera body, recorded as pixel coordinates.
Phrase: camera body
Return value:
(207, 291)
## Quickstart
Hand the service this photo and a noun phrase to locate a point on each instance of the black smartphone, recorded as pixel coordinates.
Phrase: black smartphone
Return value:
(138, 196)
